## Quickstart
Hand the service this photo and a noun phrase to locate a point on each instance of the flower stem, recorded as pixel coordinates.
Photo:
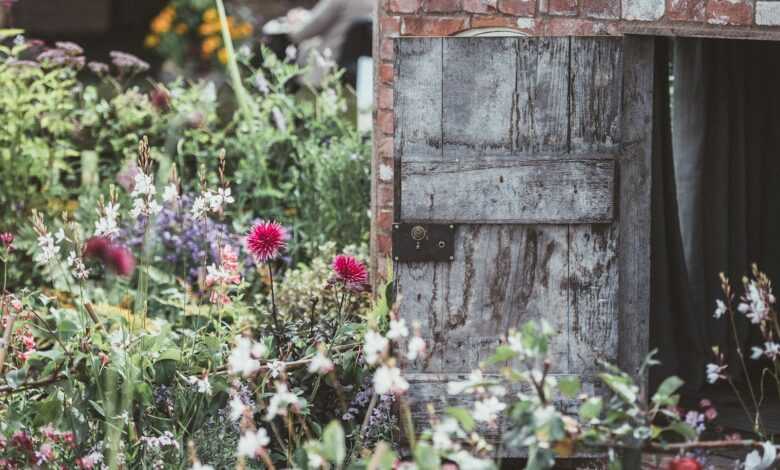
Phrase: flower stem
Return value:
(273, 305)
(757, 420)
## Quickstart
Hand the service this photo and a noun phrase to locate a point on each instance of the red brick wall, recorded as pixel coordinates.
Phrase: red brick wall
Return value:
(716, 18)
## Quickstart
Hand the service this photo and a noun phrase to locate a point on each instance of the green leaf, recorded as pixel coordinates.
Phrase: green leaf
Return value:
(591, 409)
(16, 377)
(8, 33)
(569, 386)
(622, 386)
(502, 354)
(463, 416)
(333, 443)
(666, 389)
(47, 411)
(425, 457)
(683, 429)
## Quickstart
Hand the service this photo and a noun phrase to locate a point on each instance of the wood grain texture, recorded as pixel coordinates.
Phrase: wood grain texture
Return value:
(542, 95)
(418, 71)
(596, 85)
(502, 277)
(593, 288)
(478, 90)
(634, 211)
(508, 191)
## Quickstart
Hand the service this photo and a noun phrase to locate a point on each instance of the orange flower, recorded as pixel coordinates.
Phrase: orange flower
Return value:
(209, 45)
(181, 28)
(244, 30)
(207, 29)
(152, 41)
(222, 55)
(161, 24)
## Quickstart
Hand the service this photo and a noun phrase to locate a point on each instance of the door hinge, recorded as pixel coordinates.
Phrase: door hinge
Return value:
(423, 242)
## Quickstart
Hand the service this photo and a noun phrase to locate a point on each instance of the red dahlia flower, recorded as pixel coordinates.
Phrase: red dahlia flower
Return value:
(265, 240)
(117, 258)
(350, 271)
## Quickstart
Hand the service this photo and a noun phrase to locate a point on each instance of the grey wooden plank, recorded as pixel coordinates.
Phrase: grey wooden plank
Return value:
(508, 191)
(593, 290)
(478, 90)
(502, 277)
(634, 211)
(542, 95)
(596, 83)
(417, 94)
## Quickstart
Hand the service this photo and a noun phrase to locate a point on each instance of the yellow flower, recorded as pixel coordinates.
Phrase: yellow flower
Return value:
(222, 55)
(209, 45)
(210, 15)
(244, 30)
(151, 41)
(181, 28)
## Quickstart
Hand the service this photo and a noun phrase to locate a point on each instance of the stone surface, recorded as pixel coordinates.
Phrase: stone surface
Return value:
(643, 10)
(768, 13)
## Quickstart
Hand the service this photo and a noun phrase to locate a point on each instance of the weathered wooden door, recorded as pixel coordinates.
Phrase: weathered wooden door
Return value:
(537, 152)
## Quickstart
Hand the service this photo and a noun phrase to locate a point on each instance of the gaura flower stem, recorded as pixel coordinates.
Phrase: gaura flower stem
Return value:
(274, 314)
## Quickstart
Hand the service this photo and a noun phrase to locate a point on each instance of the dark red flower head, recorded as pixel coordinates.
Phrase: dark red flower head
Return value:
(160, 98)
(120, 260)
(117, 258)
(265, 240)
(7, 239)
(350, 271)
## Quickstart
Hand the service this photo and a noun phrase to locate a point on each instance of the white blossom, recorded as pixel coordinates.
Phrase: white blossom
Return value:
(237, 408)
(487, 410)
(416, 348)
(754, 461)
(320, 364)
(315, 460)
(715, 373)
(475, 380)
(201, 384)
(695, 420)
(49, 249)
(240, 360)
(253, 442)
(144, 185)
(441, 436)
(275, 368)
(170, 194)
(217, 200)
(398, 329)
(720, 308)
(200, 207)
(373, 347)
(281, 400)
(389, 380)
(756, 352)
(753, 305)
(76, 264)
(106, 226)
(291, 52)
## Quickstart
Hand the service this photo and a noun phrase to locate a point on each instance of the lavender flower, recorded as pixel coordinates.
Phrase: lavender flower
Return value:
(128, 62)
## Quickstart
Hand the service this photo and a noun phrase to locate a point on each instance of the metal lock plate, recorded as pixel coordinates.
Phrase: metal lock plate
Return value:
(423, 242)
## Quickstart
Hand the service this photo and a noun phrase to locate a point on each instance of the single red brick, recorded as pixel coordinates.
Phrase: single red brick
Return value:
(686, 10)
(517, 7)
(442, 6)
(402, 6)
(384, 99)
(432, 25)
(572, 27)
(384, 195)
(390, 25)
(386, 73)
(384, 220)
(384, 147)
(493, 21)
(480, 6)
(386, 51)
(562, 7)
(384, 120)
(384, 244)
(728, 12)
(601, 9)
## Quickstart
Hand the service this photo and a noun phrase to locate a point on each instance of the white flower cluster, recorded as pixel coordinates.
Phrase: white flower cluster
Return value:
(755, 304)
(388, 379)
(202, 385)
(143, 194)
(106, 226)
(720, 309)
(252, 443)
(49, 249)
(770, 349)
(281, 400)
(715, 372)
(211, 201)
(76, 264)
(245, 357)
(320, 364)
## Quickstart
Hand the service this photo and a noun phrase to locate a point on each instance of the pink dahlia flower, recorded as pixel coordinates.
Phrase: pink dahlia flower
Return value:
(117, 258)
(7, 239)
(265, 240)
(350, 271)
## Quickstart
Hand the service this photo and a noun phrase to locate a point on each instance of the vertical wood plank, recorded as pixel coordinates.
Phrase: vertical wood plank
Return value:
(596, 82)
(634, 208)
(478, 96)
(542, 95)
(418, 70)
(593, 289)
(502, 277)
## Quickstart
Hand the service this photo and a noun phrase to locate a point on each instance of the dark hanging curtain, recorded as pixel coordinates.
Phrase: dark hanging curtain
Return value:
(716, 191)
